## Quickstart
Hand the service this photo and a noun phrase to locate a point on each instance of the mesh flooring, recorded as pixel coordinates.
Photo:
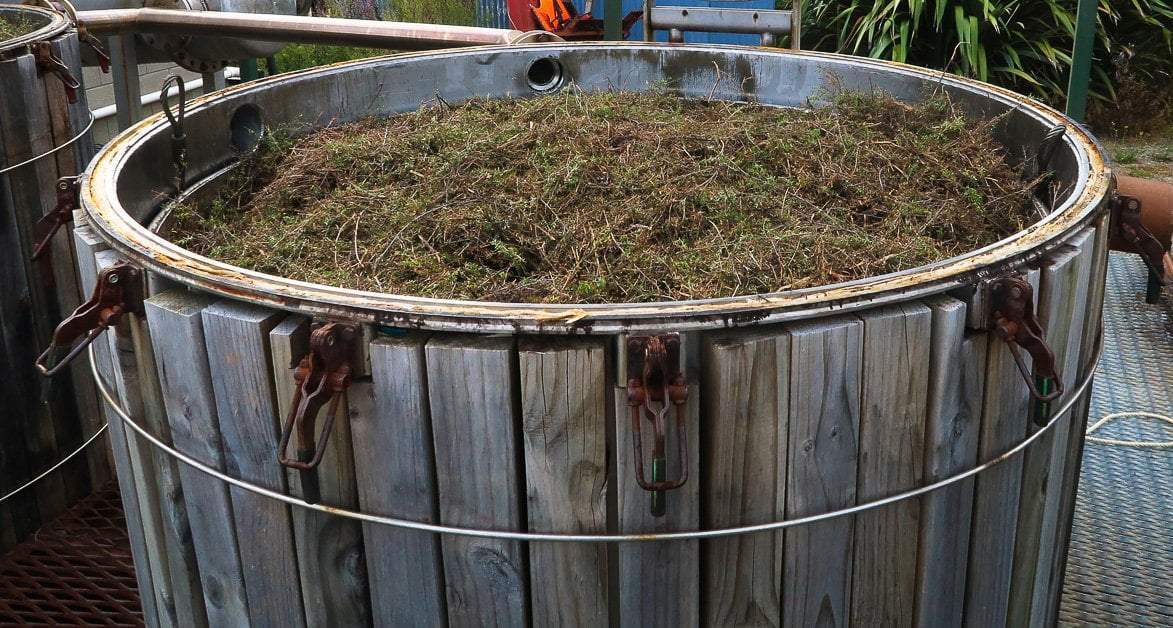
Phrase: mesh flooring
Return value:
(1121, 556)
(78, 570)
(74, 571)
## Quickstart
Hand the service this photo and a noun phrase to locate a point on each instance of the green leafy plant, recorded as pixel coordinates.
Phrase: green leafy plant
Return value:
(1021, 44)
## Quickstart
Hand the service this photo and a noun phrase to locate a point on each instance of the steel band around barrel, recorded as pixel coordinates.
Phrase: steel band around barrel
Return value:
(1077, 394)
(53, 150)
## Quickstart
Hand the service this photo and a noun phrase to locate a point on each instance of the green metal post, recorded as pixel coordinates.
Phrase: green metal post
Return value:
(1081, 58)
(248, 70)
(612, 20)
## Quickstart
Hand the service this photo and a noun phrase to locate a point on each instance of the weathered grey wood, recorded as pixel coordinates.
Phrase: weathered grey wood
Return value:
(564, 431)
(329, 549)
(144, 470)
(186, 383)
(182, 566)
(659, 583)
(68, 120)
(896, 353)
(1062, 309)
(1079, 417)
(1005, 415)
(395, 469)
(471, 384)
(88, 246)
(821, 469)
(957, 366)
(24, 129)
(745, 405)
(237, 339)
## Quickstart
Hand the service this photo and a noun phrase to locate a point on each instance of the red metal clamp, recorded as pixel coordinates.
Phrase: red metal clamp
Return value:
(321, 376)
(61, 215)
(119, 290)
(1013, 315)
(48, 61)
(654, 384)
(88, 39)
(1127, 226)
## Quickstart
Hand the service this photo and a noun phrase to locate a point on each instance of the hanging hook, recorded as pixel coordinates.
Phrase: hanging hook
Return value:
(178, 135)
(655, 385)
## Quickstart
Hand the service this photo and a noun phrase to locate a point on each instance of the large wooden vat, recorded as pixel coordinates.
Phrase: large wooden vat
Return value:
(44, 135)
(513, 417)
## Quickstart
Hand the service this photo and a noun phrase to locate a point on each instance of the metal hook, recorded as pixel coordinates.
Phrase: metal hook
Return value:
(654, 378)
(1012, 301)
(178, 135)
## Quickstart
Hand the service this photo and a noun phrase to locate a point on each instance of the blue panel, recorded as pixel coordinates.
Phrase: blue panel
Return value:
(692, 38)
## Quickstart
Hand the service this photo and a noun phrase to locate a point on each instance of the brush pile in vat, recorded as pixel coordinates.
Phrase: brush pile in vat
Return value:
(616, 197)
(13, 27)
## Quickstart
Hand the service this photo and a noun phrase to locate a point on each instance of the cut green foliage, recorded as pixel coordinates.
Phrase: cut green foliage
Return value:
(615, 197)
(12, 27)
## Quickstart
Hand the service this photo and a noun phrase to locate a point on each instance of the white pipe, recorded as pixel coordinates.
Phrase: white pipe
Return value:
(108, 111)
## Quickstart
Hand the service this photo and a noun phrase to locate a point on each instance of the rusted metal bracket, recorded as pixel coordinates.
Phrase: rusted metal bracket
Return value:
(61, 215)
(1011, 299)
(48, 61)
(119, 290)
(1127, 226)
(322, 376)
(655, 384)
(88, 39)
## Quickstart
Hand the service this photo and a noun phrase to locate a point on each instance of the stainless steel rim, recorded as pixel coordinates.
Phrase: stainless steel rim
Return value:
(54, 26)
(157, 254)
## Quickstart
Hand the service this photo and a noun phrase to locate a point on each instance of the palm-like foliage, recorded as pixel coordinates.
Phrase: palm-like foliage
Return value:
(1023, 44)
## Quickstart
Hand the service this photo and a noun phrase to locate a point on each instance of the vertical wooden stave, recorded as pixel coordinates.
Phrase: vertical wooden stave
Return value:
(472, 384)
(395, 470)
(1005, 415)
(658, 583)
(956, 381)
(1062, 310)
(1079, 415)
(88, 246)
(746, 380)
(237, 339)
(564, 430)
(186, 383)
(329, 549)
(822, 467)
(896, 354)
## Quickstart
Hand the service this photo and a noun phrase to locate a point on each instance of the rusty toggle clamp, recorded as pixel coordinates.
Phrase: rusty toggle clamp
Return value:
(1013, 316)
(48, 61)
(654, 384)
(61, 215)
(88, 39)
(322, 376)
(1127, 226)
(119, 290)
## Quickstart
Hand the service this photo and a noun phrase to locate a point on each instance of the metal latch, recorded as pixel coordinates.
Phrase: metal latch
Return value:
(322, 376)
(48, 61)
(655, 383)
(1127, 226)
(61, 215)
(88, 39)
(1012, 313)
(119, 290)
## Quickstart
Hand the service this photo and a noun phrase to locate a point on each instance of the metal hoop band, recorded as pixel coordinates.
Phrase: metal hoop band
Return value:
(67, 143)
(1076, 395)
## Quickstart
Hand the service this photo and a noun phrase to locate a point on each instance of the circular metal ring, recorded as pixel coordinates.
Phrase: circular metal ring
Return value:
(68, 142)
(55, 24)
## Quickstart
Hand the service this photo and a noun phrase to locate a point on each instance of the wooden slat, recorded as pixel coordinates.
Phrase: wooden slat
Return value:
(746, 396)
(88, 245)
(237, 339)
(24, 127)
(329, 549)
(471, 384)
(1005, 415)
(1062, 310)
(564, 431)
(1074, 455)
(821, 469)
(66, 121)
(896, 353)
(395, 469)
(957, 367)
(659, 583)
(186, 384)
